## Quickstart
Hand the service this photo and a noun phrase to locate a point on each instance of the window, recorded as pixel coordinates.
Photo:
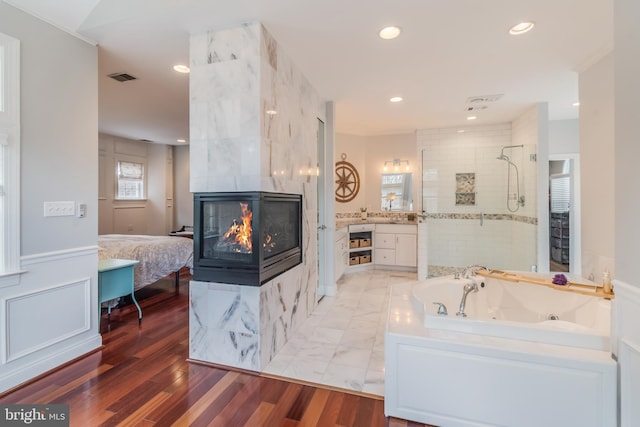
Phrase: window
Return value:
(560, 193)
(130, 180)
(9, 161)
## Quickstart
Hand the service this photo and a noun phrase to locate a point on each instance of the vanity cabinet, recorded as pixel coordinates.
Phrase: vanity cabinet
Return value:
(396, 245)
(361, 245)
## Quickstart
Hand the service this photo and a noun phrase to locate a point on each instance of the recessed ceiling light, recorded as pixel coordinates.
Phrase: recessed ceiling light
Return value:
(471, 117)
(521, 28)
(576, 104)
(181, 68)
(181, 140)
(460, 130)
(389, 33)
(396, 99)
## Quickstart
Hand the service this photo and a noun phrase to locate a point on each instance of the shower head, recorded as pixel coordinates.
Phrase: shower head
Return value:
(503, 156)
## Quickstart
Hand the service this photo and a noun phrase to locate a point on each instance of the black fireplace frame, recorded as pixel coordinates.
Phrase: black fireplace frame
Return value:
(260, 270)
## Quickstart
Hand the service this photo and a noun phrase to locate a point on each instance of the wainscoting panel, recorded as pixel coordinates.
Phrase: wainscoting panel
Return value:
(629, 360)
(51, 317)
(130, 219)
(626, 345)
(56, 323)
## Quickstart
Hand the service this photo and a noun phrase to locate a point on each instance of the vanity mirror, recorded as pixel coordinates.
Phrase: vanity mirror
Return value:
(397, 192)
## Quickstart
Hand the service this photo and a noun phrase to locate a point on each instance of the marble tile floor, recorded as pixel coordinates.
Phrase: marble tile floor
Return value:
(342, 343)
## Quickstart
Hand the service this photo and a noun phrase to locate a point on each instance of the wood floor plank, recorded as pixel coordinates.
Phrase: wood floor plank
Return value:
(331, 410)
(364, 413)
(260, 415)
(137, 417)
(300, 404)
(192, 386)
(348, 410)
(75, 384)
(289, 395)
(216, 407)
(201, 405)
(242, 405)
(315, 408)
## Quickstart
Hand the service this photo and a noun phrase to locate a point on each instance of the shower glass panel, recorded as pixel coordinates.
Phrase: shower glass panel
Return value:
(484, 232)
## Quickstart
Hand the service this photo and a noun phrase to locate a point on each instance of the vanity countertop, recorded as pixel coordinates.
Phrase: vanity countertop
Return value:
(351, 221)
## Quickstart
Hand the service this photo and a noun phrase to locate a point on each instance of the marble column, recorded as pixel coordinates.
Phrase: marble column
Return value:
(253, 124)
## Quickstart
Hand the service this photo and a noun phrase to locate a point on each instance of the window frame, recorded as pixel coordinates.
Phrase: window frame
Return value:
(135, 160)
(10, 269)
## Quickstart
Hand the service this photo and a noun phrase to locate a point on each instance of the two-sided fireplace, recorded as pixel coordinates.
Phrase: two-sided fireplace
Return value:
(246, 238)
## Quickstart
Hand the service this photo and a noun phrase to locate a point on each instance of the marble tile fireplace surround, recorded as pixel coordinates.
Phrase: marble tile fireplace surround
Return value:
(239, 78)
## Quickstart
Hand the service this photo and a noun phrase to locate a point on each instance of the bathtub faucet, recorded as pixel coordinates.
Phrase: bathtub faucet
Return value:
(471, 270)
(468, 288)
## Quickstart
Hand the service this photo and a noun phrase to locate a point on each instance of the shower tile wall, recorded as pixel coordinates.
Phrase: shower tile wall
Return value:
(505, 240)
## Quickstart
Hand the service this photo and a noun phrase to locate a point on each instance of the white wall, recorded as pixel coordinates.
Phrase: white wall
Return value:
(624, 220)
(368, 154)
(564, 136)
(627, 148)
(51, 316)
(597, 168)
(182, 196)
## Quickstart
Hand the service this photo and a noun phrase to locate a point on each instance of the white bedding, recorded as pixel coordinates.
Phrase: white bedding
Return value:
(159, 256)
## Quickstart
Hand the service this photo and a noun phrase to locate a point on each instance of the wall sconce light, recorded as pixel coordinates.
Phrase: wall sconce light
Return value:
(396, 164)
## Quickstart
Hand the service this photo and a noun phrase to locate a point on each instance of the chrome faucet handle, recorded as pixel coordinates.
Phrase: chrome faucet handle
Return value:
(442, 309)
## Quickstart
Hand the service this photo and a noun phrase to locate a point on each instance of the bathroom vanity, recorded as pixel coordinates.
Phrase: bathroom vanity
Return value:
(396, 245)
(368, 245)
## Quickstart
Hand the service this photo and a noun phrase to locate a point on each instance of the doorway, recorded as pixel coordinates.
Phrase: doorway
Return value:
(564, 214)
(322, 227)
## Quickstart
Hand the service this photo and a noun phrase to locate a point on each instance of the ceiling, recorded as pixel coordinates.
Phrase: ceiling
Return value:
(448, 51)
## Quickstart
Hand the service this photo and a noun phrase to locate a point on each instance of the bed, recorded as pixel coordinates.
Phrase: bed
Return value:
(159, 256)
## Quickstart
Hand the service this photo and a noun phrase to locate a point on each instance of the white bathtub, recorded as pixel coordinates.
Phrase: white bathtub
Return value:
(517, 310)
(503, 365)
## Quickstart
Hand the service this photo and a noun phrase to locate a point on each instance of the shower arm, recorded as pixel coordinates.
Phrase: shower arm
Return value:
(510, 146)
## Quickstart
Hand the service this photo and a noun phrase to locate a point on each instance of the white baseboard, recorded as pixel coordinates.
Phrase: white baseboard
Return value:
(38, 367)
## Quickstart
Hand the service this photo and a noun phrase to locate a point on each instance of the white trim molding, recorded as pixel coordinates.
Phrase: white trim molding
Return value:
(10, 161)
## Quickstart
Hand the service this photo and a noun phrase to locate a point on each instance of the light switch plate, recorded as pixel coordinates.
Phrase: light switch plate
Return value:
(60, 208)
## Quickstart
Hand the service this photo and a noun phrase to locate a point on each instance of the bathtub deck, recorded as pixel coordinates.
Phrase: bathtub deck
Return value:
(579, 288)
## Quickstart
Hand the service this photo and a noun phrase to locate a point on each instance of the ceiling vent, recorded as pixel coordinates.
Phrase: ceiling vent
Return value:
(483, 98)
(122, 77)
(475, 107)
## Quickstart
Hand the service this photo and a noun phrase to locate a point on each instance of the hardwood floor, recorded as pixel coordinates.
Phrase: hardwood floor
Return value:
(141, 378)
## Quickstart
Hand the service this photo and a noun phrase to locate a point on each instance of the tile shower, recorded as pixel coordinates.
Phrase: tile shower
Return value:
(464, 191)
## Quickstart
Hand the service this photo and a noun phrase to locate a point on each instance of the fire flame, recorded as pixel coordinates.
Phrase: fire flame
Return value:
(240, 234)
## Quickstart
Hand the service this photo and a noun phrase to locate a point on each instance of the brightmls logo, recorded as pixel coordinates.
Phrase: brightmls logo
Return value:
(34, 415)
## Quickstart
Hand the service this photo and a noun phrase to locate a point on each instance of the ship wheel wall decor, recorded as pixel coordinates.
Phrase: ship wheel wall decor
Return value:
(347, 181)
